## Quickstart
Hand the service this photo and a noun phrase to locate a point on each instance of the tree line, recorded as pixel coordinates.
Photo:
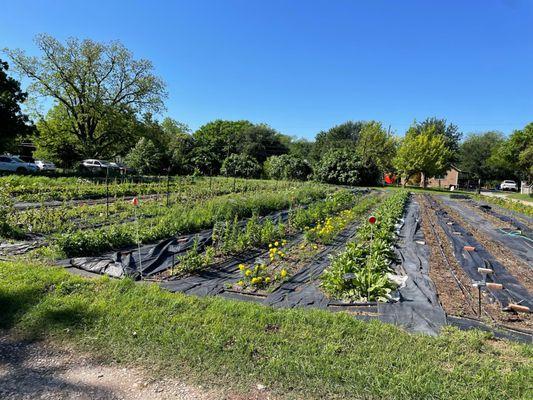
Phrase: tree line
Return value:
(103, 106)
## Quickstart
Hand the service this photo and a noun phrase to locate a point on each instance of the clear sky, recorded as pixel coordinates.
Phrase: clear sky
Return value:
(305, 65)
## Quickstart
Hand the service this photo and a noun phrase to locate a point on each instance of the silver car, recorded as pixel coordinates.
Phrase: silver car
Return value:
(15, 164)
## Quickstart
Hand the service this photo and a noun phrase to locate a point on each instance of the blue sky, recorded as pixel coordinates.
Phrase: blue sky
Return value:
(304, 66)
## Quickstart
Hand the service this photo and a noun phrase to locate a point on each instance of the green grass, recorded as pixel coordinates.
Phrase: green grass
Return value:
(295, 353)
(417, 189)
(521, 196)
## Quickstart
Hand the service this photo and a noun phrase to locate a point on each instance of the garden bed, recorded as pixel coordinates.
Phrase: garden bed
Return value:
(458, 296)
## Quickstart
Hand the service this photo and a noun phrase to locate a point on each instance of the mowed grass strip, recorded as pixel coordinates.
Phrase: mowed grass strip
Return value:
(295, 353)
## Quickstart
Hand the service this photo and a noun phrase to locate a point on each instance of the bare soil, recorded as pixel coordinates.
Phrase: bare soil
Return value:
(461, 298)
(42, 370)
(516, 267)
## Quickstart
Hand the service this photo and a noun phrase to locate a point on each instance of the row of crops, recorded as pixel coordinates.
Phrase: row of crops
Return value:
(319, 224)
(230, 238)
(233, 211)
(360, 273)
(41, 189)
(82, 229)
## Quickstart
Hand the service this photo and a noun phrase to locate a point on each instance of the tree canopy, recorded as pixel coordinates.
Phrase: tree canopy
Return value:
(13, 123)
(95, 83)
(425, 151)
(450, 133)
(340, 166)
(475, 155)
(288, 167)
(340, 136)
(515, 155)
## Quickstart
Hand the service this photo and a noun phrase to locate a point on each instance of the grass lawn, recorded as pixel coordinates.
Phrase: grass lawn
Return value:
(521, 196)
(295, 353)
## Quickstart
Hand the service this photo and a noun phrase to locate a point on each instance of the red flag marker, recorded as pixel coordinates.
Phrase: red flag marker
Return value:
(372, 220)
(135, 201)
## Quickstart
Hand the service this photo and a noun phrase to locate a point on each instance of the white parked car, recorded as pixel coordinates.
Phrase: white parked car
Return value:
(45, 165)
(96, 165)
(15, 164)
(509, 185)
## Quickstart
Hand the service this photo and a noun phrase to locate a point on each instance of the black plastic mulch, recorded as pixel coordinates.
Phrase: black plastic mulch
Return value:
(520, 243)
(154, 258)
(470, 261)
(419, 309)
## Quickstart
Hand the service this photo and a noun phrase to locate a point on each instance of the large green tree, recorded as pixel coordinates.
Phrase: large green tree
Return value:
(340, 166)
(260, 142)
(94, 82)
(340, 136)
(475, 155)
(163, 148)
(450, 133)
(287, 166)
(215, 141)
(13, 122)
(515, 155)
(376, 146)
(422, 152)
(240, 166)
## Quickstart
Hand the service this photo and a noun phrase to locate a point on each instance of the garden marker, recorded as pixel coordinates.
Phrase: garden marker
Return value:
(372, 221)
(135, 202)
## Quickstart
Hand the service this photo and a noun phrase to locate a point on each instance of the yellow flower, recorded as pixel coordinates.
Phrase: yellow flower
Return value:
(256, 280)
(240, 283)
(248, 272)
(267, 280)
(315, 247)
(270, 245)
(276, 244)
(242, 267)
(283, 273)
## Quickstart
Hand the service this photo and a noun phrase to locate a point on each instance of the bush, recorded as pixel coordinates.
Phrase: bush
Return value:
(339, 167)
(344, 167)
(287, 167)
(240, 166)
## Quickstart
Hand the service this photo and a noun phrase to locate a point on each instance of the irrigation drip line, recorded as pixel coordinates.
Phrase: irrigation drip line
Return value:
(470, 261)
(468, 296)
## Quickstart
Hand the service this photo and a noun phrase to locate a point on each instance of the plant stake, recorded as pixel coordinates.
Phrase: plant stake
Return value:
(135, 203)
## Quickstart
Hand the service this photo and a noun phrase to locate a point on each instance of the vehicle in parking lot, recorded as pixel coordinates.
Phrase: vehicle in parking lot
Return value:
(15, 164)
(45, 165)
(94, 165)
(123, 168)
(508, 185)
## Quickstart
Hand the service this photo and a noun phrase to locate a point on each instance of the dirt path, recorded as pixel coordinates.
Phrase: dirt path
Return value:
(41, 370)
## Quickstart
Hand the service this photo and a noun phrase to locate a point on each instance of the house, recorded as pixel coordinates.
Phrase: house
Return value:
(453, 178)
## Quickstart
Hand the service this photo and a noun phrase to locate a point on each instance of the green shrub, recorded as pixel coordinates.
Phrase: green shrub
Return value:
(240, 166)
(287, 167)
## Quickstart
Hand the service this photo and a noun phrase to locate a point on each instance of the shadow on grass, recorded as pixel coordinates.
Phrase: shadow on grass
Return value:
(14, 304)
(41, 315)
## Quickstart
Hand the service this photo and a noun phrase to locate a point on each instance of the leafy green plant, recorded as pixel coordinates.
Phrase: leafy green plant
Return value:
(194, 260)
(359, 273)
